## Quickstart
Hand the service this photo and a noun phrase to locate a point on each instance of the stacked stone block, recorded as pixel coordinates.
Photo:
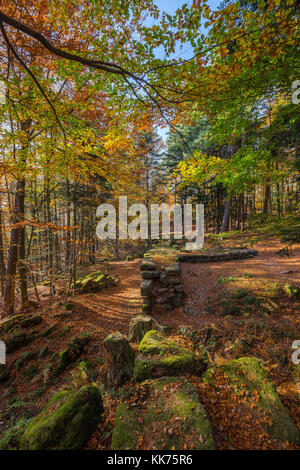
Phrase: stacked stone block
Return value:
(162, 288)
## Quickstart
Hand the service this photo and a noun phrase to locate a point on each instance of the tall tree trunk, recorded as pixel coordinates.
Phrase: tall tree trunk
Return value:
(225, 221)
(17, 237)
(68, 234)
(49, 233)
(239, 212)
(2, 262)
(267, 198)
(11, 269)
(22, 266)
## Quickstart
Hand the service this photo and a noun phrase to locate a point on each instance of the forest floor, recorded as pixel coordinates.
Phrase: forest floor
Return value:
(223, 310)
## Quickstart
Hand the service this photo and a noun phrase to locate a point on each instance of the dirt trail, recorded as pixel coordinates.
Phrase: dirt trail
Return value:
(113, 308)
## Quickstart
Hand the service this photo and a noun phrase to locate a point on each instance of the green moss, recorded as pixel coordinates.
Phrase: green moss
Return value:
(248, 373)
(94, 282)
(11, 437)
(154, 342)
(181, 402)
(124, 434)
(31, 372)
(10, 323)
(69, 306)
(49, 330)
(31, 321)
(173, 358)
(63, 361)
(71, 353)
(16, 339)
(291, 291)
(66, 422)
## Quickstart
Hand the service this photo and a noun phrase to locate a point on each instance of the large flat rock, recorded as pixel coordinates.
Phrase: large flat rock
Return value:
(253, 395)
(162, 414)
(160, 355)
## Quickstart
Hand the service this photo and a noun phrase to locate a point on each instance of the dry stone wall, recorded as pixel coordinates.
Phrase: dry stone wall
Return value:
(162, 288)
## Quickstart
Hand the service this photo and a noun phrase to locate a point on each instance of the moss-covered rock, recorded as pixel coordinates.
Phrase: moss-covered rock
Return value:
(18, 322)
(9, 324)
(247, 377)
(71, 353)
(30, 320)
(146, 287)
(67, 421)
(13, 331)
(162, 414)
(49, 330)
(160, 355)
(148, 265)
(16, 339)
(95, 282)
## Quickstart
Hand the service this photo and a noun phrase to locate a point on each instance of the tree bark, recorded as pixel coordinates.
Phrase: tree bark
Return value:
(225, 221)
(2, 262)
(239, 212)
(267, 198)
(17, 238)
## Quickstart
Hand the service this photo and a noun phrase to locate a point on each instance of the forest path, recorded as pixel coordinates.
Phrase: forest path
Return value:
(113, 308)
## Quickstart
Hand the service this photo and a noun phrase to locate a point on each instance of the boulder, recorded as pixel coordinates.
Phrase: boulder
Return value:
(250, 384)
(148, 265)
(160, 355)
(18, 322)
(67, 421)
(30, 321)
(162, 414)
(163, 279)
(71, 353)
(138, 327)
(95, 282)
(9, 324)
(165, 298)
(173, 270)
(16, 339)
(150, 275)
(174, 280)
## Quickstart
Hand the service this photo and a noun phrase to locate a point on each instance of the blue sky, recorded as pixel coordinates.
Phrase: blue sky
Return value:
(170, 7)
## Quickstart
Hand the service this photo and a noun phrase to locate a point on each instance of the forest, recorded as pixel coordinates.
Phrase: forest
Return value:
(130, 341)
